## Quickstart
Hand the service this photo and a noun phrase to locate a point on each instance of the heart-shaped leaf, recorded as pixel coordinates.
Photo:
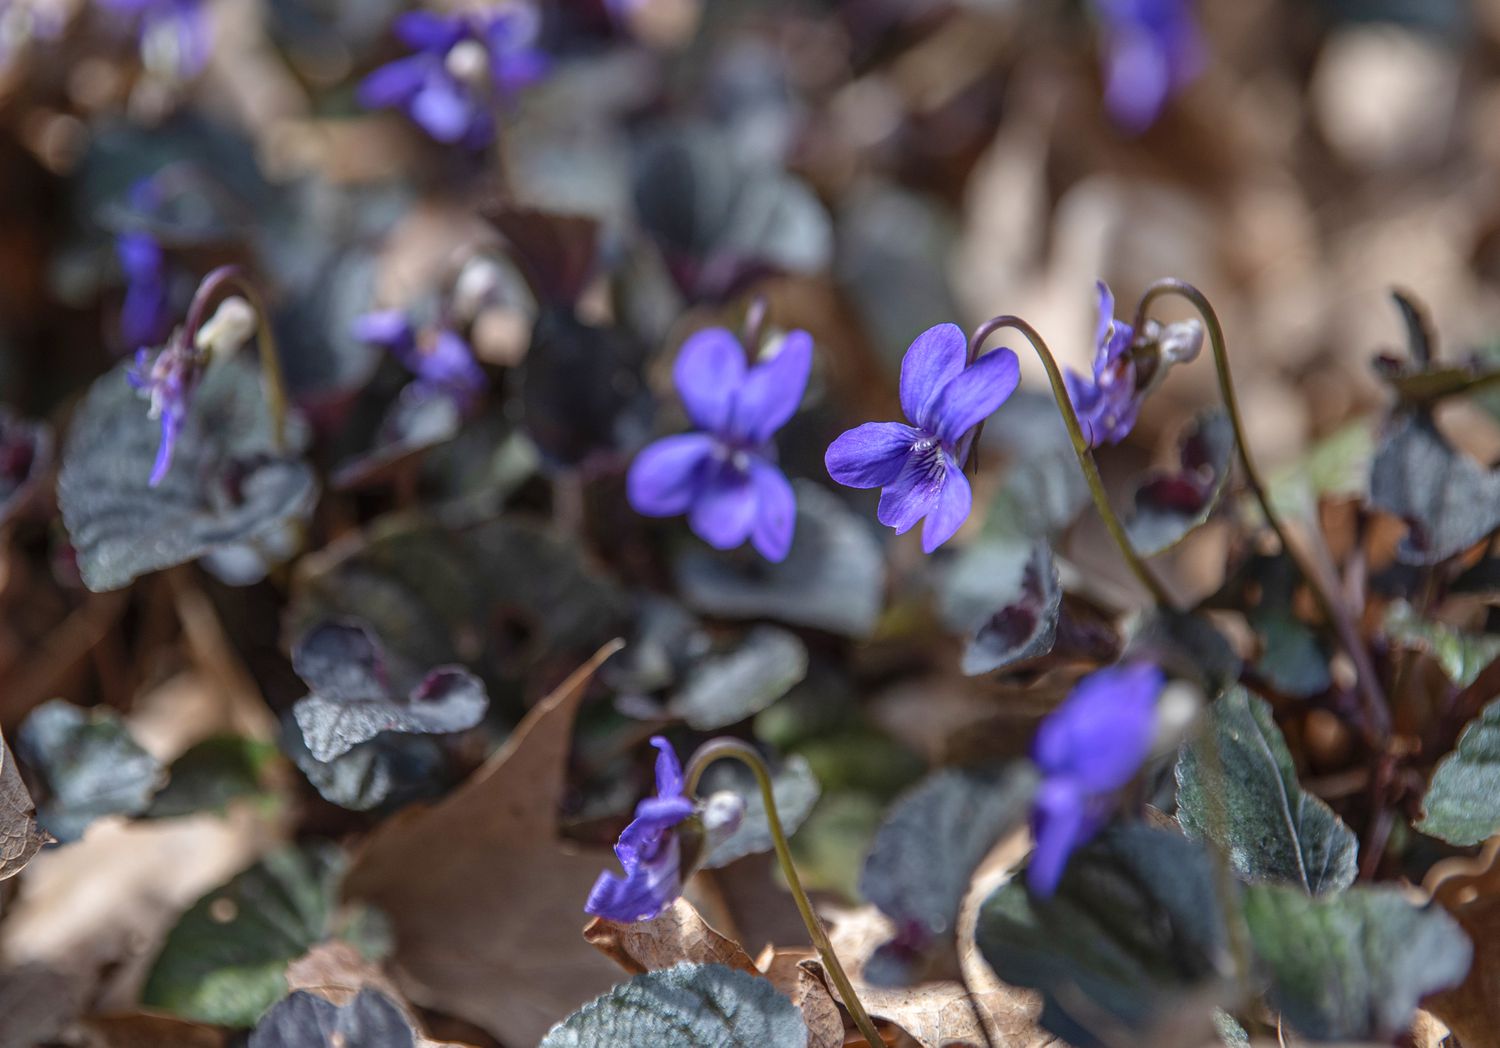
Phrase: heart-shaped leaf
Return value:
(225, 961)
(228, 484)
(1007, 598)
(1135, 925)
(923, 858)
(1461, 655)
(88, 766)
(1462, 805)
(357, 692)
(25, 456)
(211, 774)
(305, 1020)
(686, 1006)
(796, 790)
(1352, 967)
(1243, 795)
(1449, 501)
(389, 770)
(1169, 505)
(833, 579)
(725, 689)
(20, 838)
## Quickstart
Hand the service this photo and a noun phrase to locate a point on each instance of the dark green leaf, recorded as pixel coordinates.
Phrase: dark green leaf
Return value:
(225, 961)
(725, 689)
(228, 484)
(581, 388)
(357, 693)
(1170, 505)
(1461, 655)
(1135, 926)
(689, 1006)
(1462, 805)
(211, 774)
(1007, 598)
(796, 791)
(1449, 501)
(924, 856)
(1291, 658)
(1239, 789)
(88, 766)
(833, 579)
(1353, 966)
(305, 1020)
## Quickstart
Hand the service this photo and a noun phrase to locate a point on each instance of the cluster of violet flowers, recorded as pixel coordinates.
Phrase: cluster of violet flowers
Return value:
(442, 364)
(461, 66)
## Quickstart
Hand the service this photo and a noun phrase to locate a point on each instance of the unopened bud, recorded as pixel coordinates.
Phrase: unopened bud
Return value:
(228, 329)
(722, 814)
(1181, 342)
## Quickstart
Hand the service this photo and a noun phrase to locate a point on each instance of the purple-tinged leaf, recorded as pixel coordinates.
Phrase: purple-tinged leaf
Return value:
(1170, 505)
(1449, 501)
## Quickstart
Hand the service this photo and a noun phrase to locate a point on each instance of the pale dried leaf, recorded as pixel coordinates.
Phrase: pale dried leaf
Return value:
(677, 935)
(825, 1020)
(476, 886)
(935, 1014)
(337, 971)
(20, 837)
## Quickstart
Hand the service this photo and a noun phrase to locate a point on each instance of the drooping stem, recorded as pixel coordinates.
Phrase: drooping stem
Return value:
(1376, 709)
(1080, 447)
(273, 383)
(717, 749)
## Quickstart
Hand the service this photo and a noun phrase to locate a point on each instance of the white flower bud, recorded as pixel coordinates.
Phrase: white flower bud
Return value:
(1176, 709)
(721, 815)
(1181, 342)
(228, 329)
(469, 63)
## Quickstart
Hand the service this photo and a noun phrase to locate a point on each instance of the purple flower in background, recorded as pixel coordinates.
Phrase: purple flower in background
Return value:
(920, 466)
(724, 477)
(145, 314)
(463, 62)
(1107, 404)
(440, 359)
(649, 850)
(1153, 49)
(173, 34)
(168, 380)
(1086, 750)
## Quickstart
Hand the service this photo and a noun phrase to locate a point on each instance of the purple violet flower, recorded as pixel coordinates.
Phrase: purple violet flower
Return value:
(1154, 49)
(1108, 404)
(1087, 749)
(173, 34)
(724, 477)
(462, 63)
(920, 466)
(649, 850)
(145, 315)
(168, 380)
(440, 359)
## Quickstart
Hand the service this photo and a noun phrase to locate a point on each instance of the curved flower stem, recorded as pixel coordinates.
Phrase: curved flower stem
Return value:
(1376, 709)
(717, 749)
(233, 277)
(1080, 446)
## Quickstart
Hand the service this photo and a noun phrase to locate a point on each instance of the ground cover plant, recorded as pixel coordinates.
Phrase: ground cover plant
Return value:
(796, 523)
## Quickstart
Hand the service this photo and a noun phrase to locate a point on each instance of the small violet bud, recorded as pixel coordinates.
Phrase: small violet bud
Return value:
(1087, 750)
(724, 475)
(919, 464)
(650, 849)
(438, 357)
(1108, 403)
(231, 326)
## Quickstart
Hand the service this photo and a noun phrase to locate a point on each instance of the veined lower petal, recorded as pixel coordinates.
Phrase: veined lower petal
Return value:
(723, 513)
(872, 455)
(951, 508)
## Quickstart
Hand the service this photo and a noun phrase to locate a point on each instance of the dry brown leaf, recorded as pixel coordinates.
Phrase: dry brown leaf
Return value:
(1472, 1009)
(934, 1014)
(36, 1002)
(678, 935)
(145, 1031)
(477, 887)
(337, 971)
(20, 837)
(825, 1020)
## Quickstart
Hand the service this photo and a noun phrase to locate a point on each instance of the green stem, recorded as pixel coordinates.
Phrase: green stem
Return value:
(1376, 709)
(717, 749)
(1080, 447)
(272, 381)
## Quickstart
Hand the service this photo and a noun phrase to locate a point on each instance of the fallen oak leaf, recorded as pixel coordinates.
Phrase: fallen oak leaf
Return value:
(477, 885)
(20, 837)
(824, 1018)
